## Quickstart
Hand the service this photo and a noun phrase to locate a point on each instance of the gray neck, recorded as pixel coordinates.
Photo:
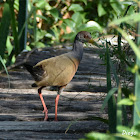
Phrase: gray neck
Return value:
(78, 49)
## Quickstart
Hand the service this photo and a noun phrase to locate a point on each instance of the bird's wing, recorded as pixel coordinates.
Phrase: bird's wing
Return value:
(58, 71)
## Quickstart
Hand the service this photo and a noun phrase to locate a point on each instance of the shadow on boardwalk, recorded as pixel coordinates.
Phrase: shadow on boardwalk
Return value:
(21, 110)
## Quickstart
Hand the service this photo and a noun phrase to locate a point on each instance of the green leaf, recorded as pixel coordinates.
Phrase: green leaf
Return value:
(70, 23)
(101, 10)
(130, 41)
(4, 28)
(125, 101)
(110, 93)
(133, 69)
(42, 17)
(29, 16)
(16, 4)
(116, 5)
(55, 13)
(133, 18)
(90, 26)
(47, 6)
(77, 19)
(14, 27)
(120, 128)
(119, 107)
(38, 44)
(9, 45)
(76, 8)
(1, 60)
(28, 48)
(40, 34)
(99, 136)
(41, 4)
(69, 36)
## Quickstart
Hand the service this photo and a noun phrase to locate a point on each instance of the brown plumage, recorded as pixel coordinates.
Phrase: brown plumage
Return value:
(59, 71)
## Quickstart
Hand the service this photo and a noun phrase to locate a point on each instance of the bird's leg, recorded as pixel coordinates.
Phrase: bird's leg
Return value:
(57, 99)
(56, 105)
(43, 103)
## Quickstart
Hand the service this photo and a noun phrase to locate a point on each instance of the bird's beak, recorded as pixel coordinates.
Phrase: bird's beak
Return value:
(92, 41)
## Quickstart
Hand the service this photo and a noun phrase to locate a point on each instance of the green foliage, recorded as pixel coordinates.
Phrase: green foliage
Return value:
(2, 62)
(124, 133)
(122, 25)
(4, 28)
(54, 22)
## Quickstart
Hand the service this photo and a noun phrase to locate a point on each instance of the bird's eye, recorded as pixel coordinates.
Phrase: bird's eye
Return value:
(85, 36)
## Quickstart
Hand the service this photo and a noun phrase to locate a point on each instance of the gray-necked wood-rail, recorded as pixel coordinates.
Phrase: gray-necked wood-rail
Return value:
(59, 71)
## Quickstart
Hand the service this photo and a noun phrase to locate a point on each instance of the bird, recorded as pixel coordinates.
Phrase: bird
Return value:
(59, 70)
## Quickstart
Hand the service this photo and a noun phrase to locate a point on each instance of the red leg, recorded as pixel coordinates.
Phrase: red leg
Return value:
(43, 103)
(56, 105)
(60, 89)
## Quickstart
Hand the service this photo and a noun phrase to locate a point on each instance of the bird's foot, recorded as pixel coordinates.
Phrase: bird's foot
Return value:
(56, 119)
(46, 114)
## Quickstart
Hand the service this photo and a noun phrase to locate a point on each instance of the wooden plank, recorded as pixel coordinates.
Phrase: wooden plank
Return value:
(48, 130)
(25, 105)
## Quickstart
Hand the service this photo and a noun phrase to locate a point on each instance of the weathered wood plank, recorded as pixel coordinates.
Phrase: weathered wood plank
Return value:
(25, 105)
(48, 130)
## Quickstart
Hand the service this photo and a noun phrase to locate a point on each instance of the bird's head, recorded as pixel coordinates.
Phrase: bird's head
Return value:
(84, 37)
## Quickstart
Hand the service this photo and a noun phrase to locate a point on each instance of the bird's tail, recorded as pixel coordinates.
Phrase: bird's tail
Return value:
(36, 72)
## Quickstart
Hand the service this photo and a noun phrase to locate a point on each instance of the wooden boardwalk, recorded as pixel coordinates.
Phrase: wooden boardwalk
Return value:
(21, 114)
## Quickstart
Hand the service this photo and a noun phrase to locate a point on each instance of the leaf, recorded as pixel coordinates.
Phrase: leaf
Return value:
(9, 45)
(119, 107)
(90, 26)
(40, 34)
(1, 60)
(125, 101)
(38, 44)
(77, 19)
(76, 8)
(55, 13)
(101, 10)
(116, 5)
(41, 4)
(99, 136)
(14, 27)
(16, 4)
(29, 16)
(110, 93)
(130, 41)
(120, 128)
(133, 18)
(70, 36)
(70, 23)
(28, 48)
(4, 28)
(42, 17)
(133, 69)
